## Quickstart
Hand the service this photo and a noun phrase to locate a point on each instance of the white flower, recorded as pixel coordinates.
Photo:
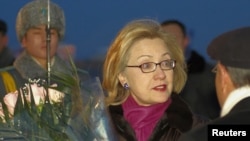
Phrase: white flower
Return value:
(10, 101)
(54, 95)
(39, 94)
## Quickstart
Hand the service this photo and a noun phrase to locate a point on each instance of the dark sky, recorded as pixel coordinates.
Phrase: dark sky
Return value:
(91, 25)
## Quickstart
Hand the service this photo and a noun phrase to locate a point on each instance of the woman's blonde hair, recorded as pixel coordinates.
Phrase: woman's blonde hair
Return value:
(119, 53)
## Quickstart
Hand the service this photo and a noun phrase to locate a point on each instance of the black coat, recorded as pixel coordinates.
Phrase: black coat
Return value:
(199, 91)
(177, 119)
(240, 114)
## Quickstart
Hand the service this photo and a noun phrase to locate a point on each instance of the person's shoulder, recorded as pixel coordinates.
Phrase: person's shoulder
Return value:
(198, 63)
(9, 72)
(197, 55)
(195, 62)
(7, 69)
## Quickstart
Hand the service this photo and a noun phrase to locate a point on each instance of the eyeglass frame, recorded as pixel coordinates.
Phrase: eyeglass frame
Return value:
(214, 70)
(172, 61)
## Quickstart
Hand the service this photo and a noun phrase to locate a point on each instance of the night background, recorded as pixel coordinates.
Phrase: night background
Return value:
(91, 25)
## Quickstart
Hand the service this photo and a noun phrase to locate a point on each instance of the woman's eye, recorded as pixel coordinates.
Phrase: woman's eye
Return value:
(165, 63)
(146, 65)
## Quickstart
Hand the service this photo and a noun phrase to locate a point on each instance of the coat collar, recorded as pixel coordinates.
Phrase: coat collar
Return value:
(235, 97)
(177, 116)
(28, 68)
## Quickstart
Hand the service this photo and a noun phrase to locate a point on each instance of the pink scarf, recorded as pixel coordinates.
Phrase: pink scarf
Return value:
(143, 118)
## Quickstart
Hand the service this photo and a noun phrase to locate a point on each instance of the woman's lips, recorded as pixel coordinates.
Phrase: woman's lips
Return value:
(160, 88)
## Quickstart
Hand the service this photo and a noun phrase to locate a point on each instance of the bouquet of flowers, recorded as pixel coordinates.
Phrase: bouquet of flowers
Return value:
(30, 110)
(73, 110)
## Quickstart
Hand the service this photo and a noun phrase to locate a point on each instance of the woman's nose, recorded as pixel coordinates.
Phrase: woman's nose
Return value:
(159, 73)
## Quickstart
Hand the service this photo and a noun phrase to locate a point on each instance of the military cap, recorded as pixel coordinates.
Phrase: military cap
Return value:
(35, 13)
(232, 48)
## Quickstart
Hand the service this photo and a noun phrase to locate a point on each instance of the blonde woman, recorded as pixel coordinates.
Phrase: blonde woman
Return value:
(144, 70)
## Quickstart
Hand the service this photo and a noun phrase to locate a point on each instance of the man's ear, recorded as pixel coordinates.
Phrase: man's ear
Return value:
(23, 42)
(225, 78)
(223, 72)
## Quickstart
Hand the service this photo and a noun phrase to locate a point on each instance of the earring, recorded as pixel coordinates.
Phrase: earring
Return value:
(125, 86)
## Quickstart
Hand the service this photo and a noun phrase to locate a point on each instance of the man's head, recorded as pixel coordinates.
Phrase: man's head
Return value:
(35, 13)
(177, 29)
(31, 27)
(3, 36)
(231, 51)
(232, 48)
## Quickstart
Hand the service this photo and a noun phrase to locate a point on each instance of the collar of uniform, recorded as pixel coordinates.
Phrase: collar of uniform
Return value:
(52, 61)
(24, 63)
(233, 98)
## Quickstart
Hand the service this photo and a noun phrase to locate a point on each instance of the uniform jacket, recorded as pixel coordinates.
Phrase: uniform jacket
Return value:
(177, 119)
(25, 68)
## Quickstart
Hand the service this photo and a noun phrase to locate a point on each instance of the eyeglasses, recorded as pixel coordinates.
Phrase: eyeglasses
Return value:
(151, 66)
(214, 70)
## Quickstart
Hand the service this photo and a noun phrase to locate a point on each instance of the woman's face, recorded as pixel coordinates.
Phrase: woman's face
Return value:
(148, 88)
